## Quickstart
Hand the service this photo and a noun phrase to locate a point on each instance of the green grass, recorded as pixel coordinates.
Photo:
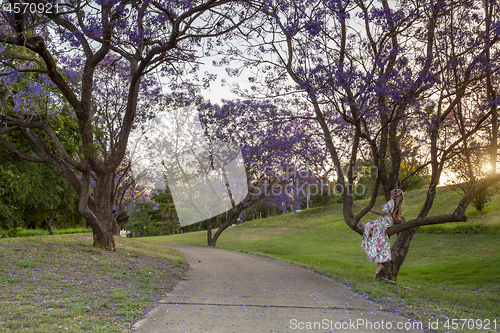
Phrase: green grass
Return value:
(61, 283)
(451, 271)
(20, 232)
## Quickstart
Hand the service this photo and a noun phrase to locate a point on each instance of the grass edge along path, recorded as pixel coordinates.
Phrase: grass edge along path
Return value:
(62, 283)
(452, 272)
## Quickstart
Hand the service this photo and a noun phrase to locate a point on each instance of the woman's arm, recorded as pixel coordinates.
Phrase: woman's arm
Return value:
(378, 212)
(386, 209)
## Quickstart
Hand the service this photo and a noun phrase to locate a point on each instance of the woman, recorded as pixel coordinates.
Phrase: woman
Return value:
(375, 240)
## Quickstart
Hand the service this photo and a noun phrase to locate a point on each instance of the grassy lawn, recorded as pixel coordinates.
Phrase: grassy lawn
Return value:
(452, 270)
(61, 283)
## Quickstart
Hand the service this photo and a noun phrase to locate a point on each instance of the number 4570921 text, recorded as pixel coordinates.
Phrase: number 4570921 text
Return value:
(30, 8)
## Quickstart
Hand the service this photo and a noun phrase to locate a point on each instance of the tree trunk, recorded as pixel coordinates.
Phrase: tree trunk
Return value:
(326, 198)
(210, 241)
(115, 227)
(399, 250)
(213, 240)
(48, 221)
(491, 92)
(232, 216)
(104, 213)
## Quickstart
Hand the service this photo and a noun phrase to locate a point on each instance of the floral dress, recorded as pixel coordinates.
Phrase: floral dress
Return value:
(377, 246)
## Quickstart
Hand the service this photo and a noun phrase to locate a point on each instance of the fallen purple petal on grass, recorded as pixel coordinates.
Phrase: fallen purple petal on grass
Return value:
(82, 281)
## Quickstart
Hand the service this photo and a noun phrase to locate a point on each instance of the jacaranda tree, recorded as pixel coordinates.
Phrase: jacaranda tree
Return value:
(386, 78)
(74, 44)
(220, 160)
(277, 154)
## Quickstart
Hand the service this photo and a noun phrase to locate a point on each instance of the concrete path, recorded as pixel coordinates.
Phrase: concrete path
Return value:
(229, 291)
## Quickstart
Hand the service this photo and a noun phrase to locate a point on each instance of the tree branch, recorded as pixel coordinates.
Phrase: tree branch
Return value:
(457, 216)
(19, 154)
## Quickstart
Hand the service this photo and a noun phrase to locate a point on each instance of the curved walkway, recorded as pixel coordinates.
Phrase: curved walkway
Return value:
(229, 291)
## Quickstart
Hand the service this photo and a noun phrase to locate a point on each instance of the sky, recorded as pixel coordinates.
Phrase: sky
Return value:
(217, 91)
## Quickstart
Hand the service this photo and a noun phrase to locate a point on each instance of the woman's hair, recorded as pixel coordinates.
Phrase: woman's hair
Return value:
(398, 204)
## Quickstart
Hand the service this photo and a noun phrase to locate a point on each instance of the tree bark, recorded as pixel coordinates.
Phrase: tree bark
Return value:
(326, 198)
(232, 216)
(224, 226)
(210, 240)
(491, 92)
(104, 212)
(48, 221)
(399, 250)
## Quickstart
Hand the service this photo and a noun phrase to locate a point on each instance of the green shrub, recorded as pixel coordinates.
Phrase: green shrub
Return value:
(11, 232)
(20, 232)
(71, 231)
(458, 228)
(31, 232)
